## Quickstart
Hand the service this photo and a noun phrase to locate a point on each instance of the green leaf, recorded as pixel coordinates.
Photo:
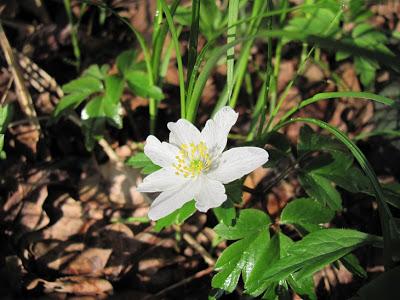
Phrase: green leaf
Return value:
(1, 142)
(257, 264)
(85, 84)
(313, 252)
(311, 141)
(70, 101)
(5, 116)
(177, 217)
(366, 69)
(126, 61)
(94, 71)
(304, 286)
(249, 221)
(210, 18)
(351, 179)
(139, 83)
(234, 191)
(141, 161)
(105, 108)
(226, 213)
(241, 256)
(317, 21)
(391, 230)
(305, 211)
(321, 189)
(114, 87)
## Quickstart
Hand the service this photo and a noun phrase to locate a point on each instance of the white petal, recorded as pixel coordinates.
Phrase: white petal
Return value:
(238, 162)
(215, 133)
(211, 194)
(225, 118)
(161, 180)
(169, 201)
(162, 154)
(183, 132)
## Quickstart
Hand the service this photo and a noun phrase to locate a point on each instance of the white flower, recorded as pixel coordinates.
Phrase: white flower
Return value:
(194, 166)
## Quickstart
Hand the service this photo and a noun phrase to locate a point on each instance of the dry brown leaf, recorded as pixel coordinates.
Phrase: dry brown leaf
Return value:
(76, 285)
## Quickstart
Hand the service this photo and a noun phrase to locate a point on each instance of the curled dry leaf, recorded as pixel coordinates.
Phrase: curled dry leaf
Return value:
(76, 285)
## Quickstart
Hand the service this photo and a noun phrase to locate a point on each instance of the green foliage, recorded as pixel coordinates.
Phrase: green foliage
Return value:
(365, 36)
(177, 217)
(141, 161)
(5, 116)
(251, 231)
(312, 253)
(317, 20)
(102, 92)
(212, 20)
(307, 213)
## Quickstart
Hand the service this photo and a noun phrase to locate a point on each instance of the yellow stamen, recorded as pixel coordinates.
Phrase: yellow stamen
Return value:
(193, 159)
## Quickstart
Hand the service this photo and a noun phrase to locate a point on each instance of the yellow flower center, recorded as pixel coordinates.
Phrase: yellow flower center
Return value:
(192, 160)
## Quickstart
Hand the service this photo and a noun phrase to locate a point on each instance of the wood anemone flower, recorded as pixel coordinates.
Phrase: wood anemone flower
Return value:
(194, 165)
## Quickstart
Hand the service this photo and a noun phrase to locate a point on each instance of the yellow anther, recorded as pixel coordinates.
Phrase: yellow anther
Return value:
(192, 159)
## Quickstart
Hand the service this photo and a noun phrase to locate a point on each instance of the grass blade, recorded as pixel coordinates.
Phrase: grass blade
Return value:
(175, 40)
(233, 12)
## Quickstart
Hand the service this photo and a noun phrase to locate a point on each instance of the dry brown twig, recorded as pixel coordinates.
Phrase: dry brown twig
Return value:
(24, 98)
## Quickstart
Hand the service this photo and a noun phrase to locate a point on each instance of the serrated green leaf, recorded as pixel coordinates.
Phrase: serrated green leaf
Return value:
(114, 86)
(141, 161)
(226, 213)
(257, 264)
(106, 108)
(242, 256)
(321, 189)
(316, 21)
(352, 180)
(304, 211)
(366, 69)
(126, 61)
(234, 191)
(177, 217)
(150, 169)
(70, 101)
(139, 83)
(311, 141)
(94, 71)
(249, 221)
(85, 84)
(313, 252)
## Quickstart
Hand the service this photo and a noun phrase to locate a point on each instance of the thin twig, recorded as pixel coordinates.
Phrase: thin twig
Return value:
(198, 247)
(9, 84)
(183, 282)
(24, 97)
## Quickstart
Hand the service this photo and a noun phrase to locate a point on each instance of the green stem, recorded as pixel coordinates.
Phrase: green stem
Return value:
(258, 7)
(233, 11)
(74, 35)
(172, 29)
(193, 38)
